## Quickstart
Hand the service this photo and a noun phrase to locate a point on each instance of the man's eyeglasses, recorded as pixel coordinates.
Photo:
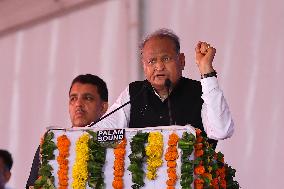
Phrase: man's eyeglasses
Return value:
(164, 59)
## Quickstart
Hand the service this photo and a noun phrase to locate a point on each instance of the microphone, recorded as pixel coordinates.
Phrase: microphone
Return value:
(118, 108)
(168, 85)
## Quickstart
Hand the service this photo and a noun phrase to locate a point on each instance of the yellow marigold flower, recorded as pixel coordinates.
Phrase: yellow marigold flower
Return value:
(80, 171)
(154, 152)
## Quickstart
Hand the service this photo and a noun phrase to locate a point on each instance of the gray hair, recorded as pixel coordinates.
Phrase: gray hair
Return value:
(161, 33)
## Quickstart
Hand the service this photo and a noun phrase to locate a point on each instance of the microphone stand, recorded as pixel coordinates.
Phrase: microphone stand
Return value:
(118, 108)
(168, 84)
(103, 117)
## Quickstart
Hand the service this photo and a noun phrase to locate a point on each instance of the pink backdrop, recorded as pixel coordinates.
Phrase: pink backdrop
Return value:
(39, 62)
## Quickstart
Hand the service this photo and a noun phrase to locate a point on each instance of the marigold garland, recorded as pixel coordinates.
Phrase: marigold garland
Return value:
(119, 154)
(154, 152)
(171, 156)
(210, 169)
(63, 144)
(80, 169)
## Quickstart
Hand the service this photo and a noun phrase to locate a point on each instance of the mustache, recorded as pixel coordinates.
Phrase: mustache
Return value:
(80, 110)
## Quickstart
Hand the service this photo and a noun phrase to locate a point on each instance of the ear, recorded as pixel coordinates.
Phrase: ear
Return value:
(182, 60)
(7, 176)
(104, 107)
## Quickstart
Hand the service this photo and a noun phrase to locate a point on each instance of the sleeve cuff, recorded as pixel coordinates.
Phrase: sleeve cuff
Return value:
(208, 84)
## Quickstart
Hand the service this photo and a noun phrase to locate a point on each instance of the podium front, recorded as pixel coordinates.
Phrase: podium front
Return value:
(160, 182)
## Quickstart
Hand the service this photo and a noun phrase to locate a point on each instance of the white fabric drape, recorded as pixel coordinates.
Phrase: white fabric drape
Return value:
(38, 64)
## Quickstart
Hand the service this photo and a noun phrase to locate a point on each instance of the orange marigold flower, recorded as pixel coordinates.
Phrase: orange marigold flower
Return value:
(199, 170)
(198, 183)
(198, 132)
(118, 164)
(171, 170)
(63, 182)
(118, 173)
(117, 183)
(170, 187)
(198, 153)
(198, 186)
(62, 187)
(173, 139)
(171, 149)
(223, 183)
(63, 144)
(171, 182)
(170, 156)
(198, 146)
(119, 153)
(215, 182)
(172, 175)
(221, 171)
(172, 164)
(199, 139)
(63, 171)
(122, 144)
(222, 175)
(208, 175)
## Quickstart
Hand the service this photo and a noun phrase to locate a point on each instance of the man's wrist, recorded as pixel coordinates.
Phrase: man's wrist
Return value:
(210, 74)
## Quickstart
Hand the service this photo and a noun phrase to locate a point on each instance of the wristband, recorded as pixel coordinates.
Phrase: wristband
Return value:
(211, 74)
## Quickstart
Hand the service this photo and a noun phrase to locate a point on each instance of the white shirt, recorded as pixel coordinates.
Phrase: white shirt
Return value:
(7, 187)
(216, 117)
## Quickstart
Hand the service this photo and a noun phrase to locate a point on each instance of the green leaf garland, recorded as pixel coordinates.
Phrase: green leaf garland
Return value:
(186, 144)
(137, 159)
(47, 147)
(96, 162)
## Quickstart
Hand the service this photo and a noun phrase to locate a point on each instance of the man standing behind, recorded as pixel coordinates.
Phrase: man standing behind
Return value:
(88, 101)
(6, 163)
(200, 104)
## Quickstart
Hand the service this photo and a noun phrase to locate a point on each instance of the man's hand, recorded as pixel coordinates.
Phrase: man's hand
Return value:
(204, 55)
